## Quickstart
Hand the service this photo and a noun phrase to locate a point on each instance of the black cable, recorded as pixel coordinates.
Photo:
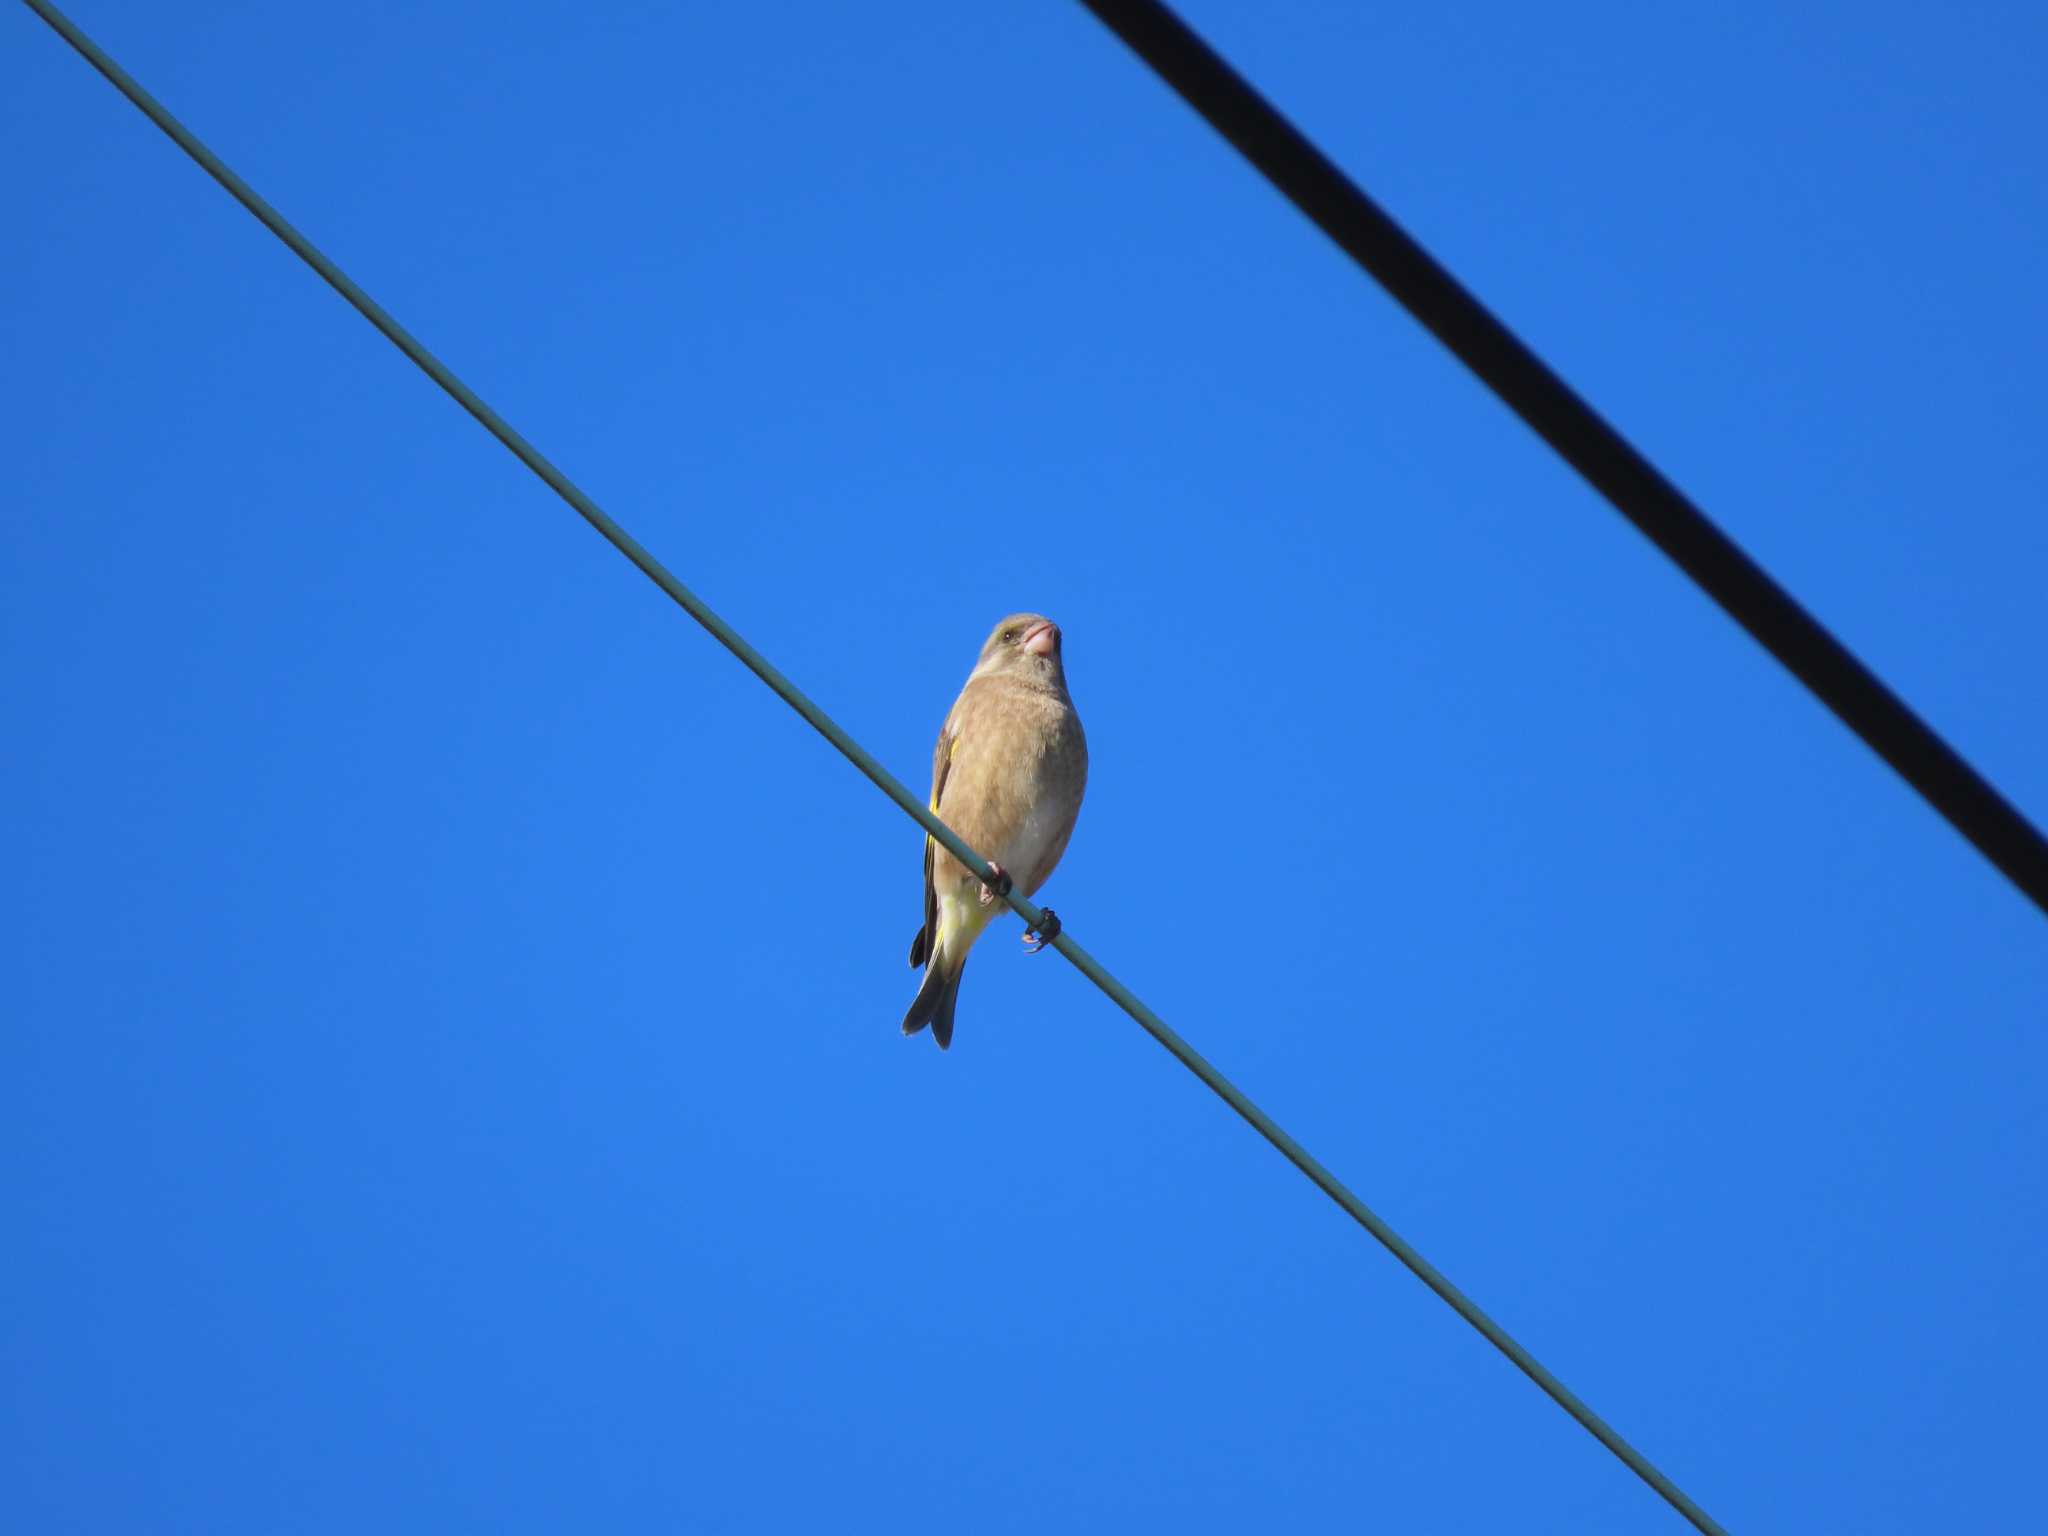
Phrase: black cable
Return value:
(1614, 468)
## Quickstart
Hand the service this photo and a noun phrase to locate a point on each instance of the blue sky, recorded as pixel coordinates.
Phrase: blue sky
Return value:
(450, 1074)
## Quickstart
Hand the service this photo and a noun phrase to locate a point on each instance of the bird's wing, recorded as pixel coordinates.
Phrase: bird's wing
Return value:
(927, 938)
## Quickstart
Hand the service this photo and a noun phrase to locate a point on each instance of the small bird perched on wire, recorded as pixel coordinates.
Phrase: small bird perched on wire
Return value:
(1007, 775)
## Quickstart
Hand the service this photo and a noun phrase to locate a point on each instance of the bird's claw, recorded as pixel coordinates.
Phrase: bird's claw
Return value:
(1048, 929)
(995, 883)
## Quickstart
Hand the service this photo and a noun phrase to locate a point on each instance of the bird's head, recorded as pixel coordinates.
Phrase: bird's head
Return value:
(1024, 645)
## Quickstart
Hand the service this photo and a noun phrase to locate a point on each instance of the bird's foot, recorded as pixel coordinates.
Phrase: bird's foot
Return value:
(995, 883)
(1048, 929)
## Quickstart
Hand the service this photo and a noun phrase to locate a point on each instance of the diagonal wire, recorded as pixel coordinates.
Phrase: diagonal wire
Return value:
(731, 639)
(1367, 234)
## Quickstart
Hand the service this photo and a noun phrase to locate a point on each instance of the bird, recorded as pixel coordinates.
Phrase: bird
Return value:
(1008, 774)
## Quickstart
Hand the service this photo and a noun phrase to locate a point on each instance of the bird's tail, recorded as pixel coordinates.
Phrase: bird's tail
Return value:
(943, 945)
(933, 1004)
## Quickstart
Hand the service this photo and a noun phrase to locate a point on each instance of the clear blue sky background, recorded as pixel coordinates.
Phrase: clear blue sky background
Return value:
(450, 1076)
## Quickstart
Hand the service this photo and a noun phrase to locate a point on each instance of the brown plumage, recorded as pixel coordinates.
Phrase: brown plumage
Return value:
(1008, 775)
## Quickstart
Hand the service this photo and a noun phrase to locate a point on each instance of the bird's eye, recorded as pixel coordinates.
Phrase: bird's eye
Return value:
(1009, 636)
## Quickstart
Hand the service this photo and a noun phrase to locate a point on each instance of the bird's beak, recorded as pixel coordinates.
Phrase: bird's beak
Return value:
(1042, 638)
